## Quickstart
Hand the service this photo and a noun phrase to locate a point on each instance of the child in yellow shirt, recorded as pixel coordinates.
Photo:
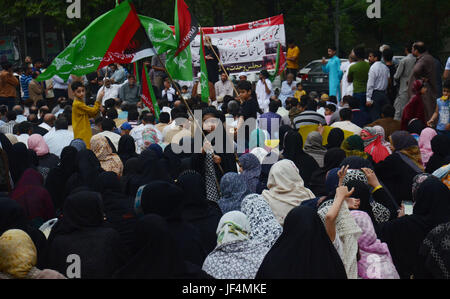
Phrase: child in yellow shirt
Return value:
(300, 92)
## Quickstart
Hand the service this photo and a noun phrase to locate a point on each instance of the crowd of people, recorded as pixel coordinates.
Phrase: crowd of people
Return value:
(268, 184)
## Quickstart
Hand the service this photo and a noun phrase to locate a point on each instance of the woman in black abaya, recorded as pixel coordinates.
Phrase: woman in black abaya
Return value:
(197, 210)
(82, 231)
(303, 251)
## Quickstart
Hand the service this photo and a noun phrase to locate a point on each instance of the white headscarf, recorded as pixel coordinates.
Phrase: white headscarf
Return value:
(236, 256)
(286, 189)
(348, 232)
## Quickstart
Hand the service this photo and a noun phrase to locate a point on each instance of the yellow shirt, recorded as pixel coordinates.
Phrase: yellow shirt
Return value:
(298, 94)
(81, 113)
(293, 53)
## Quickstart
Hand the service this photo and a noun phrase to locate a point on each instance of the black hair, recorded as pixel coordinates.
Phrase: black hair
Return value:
(110, 103)
(353, 102)
(332, 99)
(11, 115)
(332, 48)
(184, 87)
(388, 111)
(149, 118)
(360, 52)
(446, 84)
(40, 104)
(388, 54)
(331, 107)
(108, 124)
(265, 73)
(299, 84)
(273, 106)
(35, 74)
(245, 85)
(321, 104)
(376, 53)
(61, 123)
(75, 85)
(24, 127)
(164, 118)
(409, 46)
(294, 102)
(420, 46)
(98, 120)
(346, 114)
(6, 65)
(304, 101)
(112, 113)
(133, 115)
(18, 109)
(3, 109)
(290, 41)
(131, 76)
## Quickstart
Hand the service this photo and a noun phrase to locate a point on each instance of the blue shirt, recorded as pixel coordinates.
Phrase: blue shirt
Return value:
(24, 82)
(444, 114)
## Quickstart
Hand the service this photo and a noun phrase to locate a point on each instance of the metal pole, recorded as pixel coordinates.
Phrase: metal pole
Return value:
(336, 28)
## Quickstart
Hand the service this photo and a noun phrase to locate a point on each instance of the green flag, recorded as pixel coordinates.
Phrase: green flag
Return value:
(204, 71)
(159, 33)
(280, 63)
(115, 37)
(180, 67)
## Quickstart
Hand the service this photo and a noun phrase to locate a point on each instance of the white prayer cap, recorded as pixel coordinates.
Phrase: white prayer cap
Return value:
(242, 75)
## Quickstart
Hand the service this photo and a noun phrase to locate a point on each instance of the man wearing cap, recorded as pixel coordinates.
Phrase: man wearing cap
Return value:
(223, 87)
(111, 90)
(125, 129)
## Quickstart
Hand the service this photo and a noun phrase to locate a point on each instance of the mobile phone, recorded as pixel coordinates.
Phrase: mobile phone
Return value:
(408, 207)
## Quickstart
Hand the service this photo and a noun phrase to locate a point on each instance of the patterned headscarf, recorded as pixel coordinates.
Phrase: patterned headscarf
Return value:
(79, 144)
(355, 174)
(376, 261)
(108, 160)
(236, 256)
(436, 250)
(234, 188)
(417, 181)
(149, 137)
(252, 170)
(212, 193)
(265, 229)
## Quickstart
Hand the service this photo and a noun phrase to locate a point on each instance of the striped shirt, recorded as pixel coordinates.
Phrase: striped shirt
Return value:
(24, 82)
(8, 127)
(309, 118)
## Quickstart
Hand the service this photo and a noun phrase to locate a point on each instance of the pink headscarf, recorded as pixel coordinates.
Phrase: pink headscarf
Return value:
(425, 144)
(376, 261)
(37, 143)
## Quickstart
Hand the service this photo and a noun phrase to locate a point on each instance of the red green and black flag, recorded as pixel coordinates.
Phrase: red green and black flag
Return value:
(148, 95)
(115, 37)
(280, 64)
(186, 26)
(204, 71)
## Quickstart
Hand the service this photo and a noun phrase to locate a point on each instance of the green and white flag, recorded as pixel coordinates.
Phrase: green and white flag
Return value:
(159, 33)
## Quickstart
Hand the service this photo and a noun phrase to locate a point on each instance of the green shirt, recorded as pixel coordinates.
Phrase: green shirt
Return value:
(359, 72)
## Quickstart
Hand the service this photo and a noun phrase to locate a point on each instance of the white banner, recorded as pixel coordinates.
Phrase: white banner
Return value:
(249, 47)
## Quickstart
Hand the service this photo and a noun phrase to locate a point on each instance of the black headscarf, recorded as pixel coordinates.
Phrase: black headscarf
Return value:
(196, 209)
(127, 148)
(118, 208)
(57, 177)
(172, 162)
(87, 170)
(12, 216)
(416, 126)
(82, 210)
(335, 138)
(303, 251)
(440, 145)
(155, 254)
(165, 199)
(293, 150)
(283, 131)
(362, 192)
(333, 159)
(20, 160)
(356, 163)
(405, 235)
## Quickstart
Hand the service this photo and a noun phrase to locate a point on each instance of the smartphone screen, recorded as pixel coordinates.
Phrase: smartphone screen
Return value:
(408, 207)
